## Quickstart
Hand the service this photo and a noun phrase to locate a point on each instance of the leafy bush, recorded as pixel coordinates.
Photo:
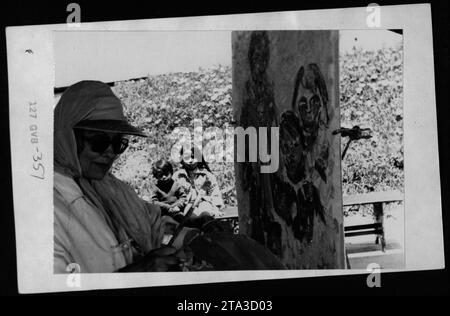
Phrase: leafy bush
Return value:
(371, 96)
(159, 104)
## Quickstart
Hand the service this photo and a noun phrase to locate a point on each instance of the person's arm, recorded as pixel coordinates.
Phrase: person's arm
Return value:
(163, 205)
(60, 258)
(157, 196)
(188, 191)
(155, 193)
(215, 197)
(165, 258)
(181, 196)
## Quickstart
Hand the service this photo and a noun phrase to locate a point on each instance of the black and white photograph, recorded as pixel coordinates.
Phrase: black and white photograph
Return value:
(180, 154)
(146, 200)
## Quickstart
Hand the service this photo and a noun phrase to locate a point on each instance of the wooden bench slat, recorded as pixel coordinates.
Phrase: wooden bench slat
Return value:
(366, 226)
(373, 197)
(364, 232)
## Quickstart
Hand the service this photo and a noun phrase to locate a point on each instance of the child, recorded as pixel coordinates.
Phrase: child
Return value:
(168, 194)
(202, 191)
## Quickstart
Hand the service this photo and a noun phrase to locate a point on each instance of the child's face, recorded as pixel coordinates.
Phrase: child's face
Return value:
(163, 177)
(191, 163)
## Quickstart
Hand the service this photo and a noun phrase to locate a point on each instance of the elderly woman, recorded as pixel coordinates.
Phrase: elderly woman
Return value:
(99, 221)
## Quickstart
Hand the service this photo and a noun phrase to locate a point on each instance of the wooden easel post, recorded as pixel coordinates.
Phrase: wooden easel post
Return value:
(290, 80)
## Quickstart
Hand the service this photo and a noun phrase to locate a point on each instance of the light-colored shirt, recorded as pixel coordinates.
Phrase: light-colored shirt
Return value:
(82, 235)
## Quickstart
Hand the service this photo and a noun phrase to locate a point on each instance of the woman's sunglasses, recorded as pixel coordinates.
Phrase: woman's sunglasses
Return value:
(100, 142)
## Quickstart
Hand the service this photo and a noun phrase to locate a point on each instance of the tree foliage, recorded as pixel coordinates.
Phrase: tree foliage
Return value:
(371, 96)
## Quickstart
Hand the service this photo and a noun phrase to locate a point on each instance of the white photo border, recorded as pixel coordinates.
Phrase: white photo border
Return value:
(31, 78)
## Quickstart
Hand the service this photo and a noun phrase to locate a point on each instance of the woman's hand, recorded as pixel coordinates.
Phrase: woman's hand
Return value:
(157, 260)
(174, 209)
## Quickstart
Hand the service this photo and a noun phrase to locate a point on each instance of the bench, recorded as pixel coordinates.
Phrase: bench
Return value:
(377, 199)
